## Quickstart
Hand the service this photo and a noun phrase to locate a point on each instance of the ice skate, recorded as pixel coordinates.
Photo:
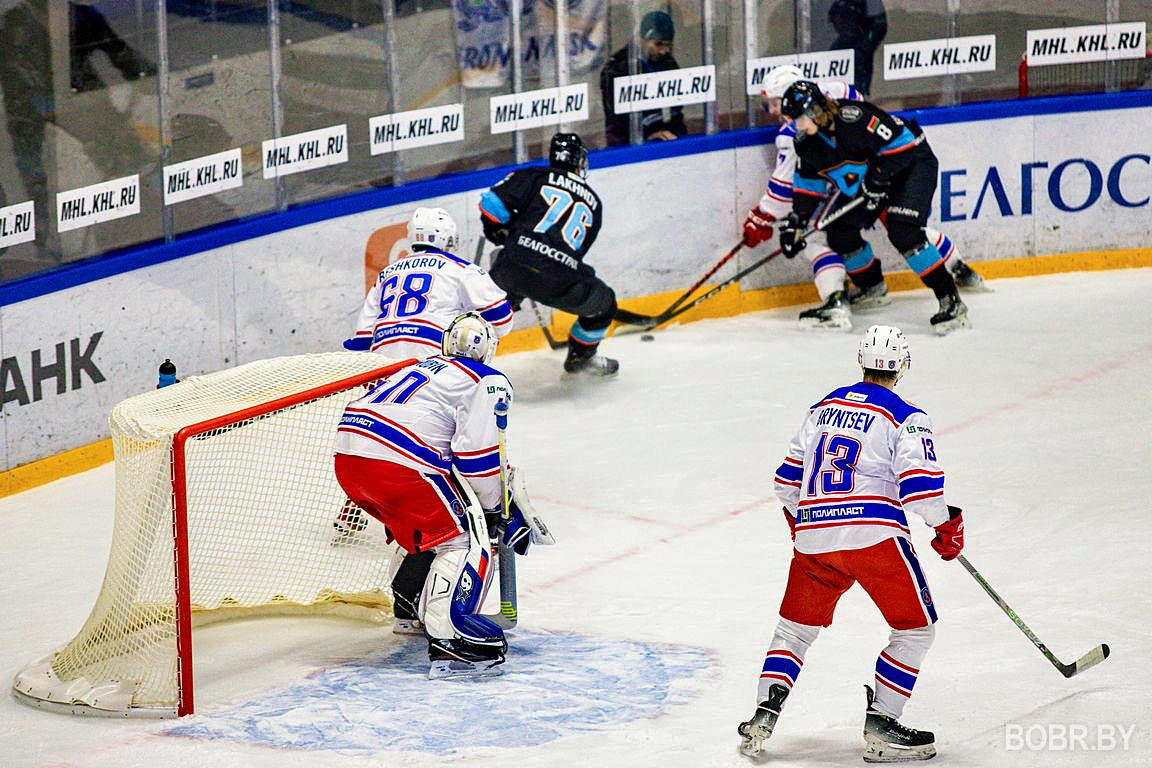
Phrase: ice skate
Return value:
(594, 365)
(966, 277)
(351, 521)
(870, 296)
(887, 741)
(953, 314)
(460, 658)
(756, 731)
(832, 314)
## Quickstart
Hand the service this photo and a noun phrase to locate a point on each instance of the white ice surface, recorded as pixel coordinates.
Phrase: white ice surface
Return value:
(658, 486)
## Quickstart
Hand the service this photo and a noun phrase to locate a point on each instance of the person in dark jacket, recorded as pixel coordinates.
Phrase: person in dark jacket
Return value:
(650, 52)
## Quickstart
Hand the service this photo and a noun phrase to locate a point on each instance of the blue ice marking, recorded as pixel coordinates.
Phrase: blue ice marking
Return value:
(554, 684)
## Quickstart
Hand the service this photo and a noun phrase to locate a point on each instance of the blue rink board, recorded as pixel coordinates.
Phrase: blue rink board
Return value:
(555, 684)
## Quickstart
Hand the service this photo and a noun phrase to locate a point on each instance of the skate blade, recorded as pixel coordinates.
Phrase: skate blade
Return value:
(883, 301)
(826, 325)
(449, 668)
(980, 287)
(752, 739)
(884, 752)
(943, 329)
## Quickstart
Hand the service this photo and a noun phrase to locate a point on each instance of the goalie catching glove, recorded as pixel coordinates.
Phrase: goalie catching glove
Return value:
(524, 525)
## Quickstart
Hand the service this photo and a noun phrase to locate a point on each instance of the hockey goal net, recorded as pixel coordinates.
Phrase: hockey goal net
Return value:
(225, 502)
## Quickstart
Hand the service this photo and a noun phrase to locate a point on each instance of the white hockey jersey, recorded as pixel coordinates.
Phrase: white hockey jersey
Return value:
(431, 416)
(415, 298)
(861, 461)
(777, 198)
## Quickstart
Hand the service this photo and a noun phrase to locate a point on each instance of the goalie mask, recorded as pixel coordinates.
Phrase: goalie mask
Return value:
(432, 228)
(884, 348)
(471, 336)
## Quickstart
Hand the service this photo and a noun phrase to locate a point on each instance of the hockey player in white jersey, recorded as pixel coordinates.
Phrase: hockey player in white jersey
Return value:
(415, 298)
(404, 452)
(828, 272)
(863, 459)
(404, 315)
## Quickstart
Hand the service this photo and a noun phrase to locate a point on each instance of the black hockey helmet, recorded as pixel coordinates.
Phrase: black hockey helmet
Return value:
(804, 97)
(567, 152)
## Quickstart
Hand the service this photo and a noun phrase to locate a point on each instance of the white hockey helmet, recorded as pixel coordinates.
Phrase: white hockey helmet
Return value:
(884, 348)
(778, 79)
(432, 227)
(471, 336)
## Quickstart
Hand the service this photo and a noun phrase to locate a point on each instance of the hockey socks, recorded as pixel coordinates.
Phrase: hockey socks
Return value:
(898, 666)
(785, 656)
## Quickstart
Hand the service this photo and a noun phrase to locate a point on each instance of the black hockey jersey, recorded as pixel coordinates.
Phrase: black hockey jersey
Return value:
(865, 139)
(542, 216)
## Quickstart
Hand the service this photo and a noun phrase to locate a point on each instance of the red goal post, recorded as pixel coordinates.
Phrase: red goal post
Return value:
(1083, 76)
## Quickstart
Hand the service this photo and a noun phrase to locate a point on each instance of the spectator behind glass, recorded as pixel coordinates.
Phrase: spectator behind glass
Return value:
(651, 52)
(860, 25)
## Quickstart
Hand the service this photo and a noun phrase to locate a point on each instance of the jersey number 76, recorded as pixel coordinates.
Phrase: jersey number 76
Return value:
(576, 227)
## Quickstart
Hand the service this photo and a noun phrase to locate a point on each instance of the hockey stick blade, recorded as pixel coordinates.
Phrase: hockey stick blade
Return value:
(1087, 661)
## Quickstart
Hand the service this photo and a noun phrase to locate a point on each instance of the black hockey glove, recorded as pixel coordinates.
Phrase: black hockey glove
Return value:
(874, 189)
(496, 234)
(792, 235)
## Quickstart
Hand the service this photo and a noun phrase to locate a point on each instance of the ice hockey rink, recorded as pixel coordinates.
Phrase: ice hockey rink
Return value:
(643, 631)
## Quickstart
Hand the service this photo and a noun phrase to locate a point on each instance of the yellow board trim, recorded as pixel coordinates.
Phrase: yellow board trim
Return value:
(731, 301)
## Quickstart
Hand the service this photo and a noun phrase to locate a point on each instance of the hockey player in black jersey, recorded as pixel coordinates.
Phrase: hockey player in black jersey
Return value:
(546, 219)
(863, 151)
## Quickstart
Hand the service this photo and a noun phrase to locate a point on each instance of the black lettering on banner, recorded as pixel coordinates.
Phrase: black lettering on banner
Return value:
(82, 361)
(503, 113)
(55, 370)
(12, 383)
(127, 196)
(231, 169)
(335, 145)
(1128, 40)
(22, 222)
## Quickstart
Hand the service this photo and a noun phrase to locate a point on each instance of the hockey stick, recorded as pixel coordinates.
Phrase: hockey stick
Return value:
(696, 286)
(479, 255)
(505, 555)
(821, 224)
(1090, 659)
(552, 341)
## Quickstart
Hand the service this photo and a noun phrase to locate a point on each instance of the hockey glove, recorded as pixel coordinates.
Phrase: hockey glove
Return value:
(757, 227)
(792, 235)
(497, 234)
(950, 535)
(791, 522)
(874, 189)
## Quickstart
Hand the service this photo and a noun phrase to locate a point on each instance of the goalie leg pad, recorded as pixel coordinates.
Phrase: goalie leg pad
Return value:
(454, 591)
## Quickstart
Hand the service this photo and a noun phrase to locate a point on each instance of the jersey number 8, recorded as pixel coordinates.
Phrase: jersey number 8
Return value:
(576, 227)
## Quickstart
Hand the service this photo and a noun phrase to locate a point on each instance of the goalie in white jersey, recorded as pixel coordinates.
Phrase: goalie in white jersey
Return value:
(404, 453)
(828, 267)
(862, 460)
(415, 298)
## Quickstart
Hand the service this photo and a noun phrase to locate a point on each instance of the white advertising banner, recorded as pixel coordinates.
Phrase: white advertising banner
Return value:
(17, 223)
(536, 109)
(417, 128)
(818, 65)
(946, 56)
(658, 90)
(305, 151)
(105, 201)
(201, 176)
(1096, 42)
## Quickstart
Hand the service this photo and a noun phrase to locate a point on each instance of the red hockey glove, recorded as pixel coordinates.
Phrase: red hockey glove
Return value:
(791, 522)
(757, 227)
(950, 535)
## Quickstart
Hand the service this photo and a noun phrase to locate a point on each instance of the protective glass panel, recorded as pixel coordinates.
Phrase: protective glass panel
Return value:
(80, 108)
(219, 100)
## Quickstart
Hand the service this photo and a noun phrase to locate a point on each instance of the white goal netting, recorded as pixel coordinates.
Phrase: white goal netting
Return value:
(261, 499)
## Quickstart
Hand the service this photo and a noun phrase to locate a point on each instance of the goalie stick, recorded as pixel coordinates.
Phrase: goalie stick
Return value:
(504, 553)
(819, 225)
(1090, 659)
